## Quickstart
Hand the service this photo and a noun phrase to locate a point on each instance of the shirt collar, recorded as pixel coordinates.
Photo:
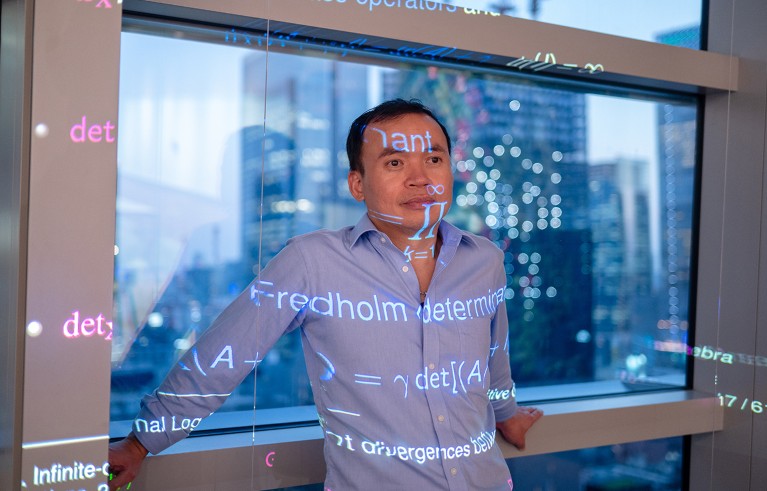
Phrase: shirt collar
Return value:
(451, 235)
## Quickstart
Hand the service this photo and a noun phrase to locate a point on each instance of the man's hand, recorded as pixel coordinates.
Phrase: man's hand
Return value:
(125, 458)
(515, 428)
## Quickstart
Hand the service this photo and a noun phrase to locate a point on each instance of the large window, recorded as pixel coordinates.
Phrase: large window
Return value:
(588, 192)
(648, 20)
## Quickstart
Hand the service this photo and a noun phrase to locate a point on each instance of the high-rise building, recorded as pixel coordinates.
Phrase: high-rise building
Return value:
(522, 181)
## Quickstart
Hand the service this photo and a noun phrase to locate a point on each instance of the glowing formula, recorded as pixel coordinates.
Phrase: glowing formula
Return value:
(476, 445)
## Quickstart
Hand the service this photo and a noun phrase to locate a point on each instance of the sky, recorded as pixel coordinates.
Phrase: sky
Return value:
(637, 19)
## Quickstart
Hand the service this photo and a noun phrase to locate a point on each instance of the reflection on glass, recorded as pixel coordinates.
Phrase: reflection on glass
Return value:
(654, 465)
(646, 20)
(590, 197)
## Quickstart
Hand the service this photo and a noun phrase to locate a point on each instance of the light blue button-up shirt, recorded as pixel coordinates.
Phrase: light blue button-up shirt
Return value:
(407, 393)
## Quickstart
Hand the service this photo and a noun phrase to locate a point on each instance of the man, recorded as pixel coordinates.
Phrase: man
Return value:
(403, 323)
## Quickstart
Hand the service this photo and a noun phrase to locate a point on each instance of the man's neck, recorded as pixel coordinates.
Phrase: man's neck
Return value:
(406, 241)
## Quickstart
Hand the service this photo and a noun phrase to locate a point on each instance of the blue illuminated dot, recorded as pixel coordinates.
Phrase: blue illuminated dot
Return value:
(488, 161)
(542, 224)
(470, 165)
(522, 258)
(492, 207)
(527, 164)
(513, 209)
(512, 221)
(555, 199)
(555, 222)
(515, 152)
(528, 304)
(471, 187)
(537, 167)
(495, 174)
(557, 156)
(527, 226)
(556, 178)
(461, 166)
(478, 152)
(527, 198)
(491, 221)
(481, 176)
(490, 184)
(499, 150)
(507, 139)
(471, 199)
(460, 200)
(514, 105)
(513, 233)
(551, 292)
(527, 292)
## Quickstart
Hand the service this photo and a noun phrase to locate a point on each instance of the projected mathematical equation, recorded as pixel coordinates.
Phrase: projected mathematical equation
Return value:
(443, 378)
(330, 305)
(74, 327)
(95, 133)
(743, 403)
(58, 473)
(161, 425)
(225, 356)
(548, 60)
(100, 3)
(476, 445)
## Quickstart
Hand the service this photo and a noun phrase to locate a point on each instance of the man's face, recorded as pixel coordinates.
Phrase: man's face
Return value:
(407, 184)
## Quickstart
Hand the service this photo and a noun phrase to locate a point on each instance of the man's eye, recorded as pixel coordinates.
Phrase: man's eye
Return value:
(435, 160)
(394, 163)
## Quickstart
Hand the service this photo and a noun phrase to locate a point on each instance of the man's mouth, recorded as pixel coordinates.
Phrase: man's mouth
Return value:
(418, 202)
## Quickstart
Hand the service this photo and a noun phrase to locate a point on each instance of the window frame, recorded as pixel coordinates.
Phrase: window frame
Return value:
(569, 424)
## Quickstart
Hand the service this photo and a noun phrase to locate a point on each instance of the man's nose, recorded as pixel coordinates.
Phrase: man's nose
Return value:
(418, 176)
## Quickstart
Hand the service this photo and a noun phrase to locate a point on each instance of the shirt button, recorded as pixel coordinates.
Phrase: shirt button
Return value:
(404, 269)
(431, 366)
(440, 418)
(383, 240)
(453, 471)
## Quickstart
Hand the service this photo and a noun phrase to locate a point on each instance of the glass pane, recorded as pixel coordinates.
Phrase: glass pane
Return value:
(590, 196)
(653, 465)
(676, 23)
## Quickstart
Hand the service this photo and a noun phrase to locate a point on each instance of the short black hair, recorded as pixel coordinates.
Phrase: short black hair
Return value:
(385, 111)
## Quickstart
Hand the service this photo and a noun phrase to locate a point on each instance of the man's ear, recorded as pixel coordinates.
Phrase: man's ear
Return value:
(355, 185)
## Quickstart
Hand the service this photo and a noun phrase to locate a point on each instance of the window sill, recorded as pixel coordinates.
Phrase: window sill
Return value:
(227, 462)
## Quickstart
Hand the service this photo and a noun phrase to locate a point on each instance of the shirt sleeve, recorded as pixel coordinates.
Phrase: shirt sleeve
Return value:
(230, 348)
(502, 393)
